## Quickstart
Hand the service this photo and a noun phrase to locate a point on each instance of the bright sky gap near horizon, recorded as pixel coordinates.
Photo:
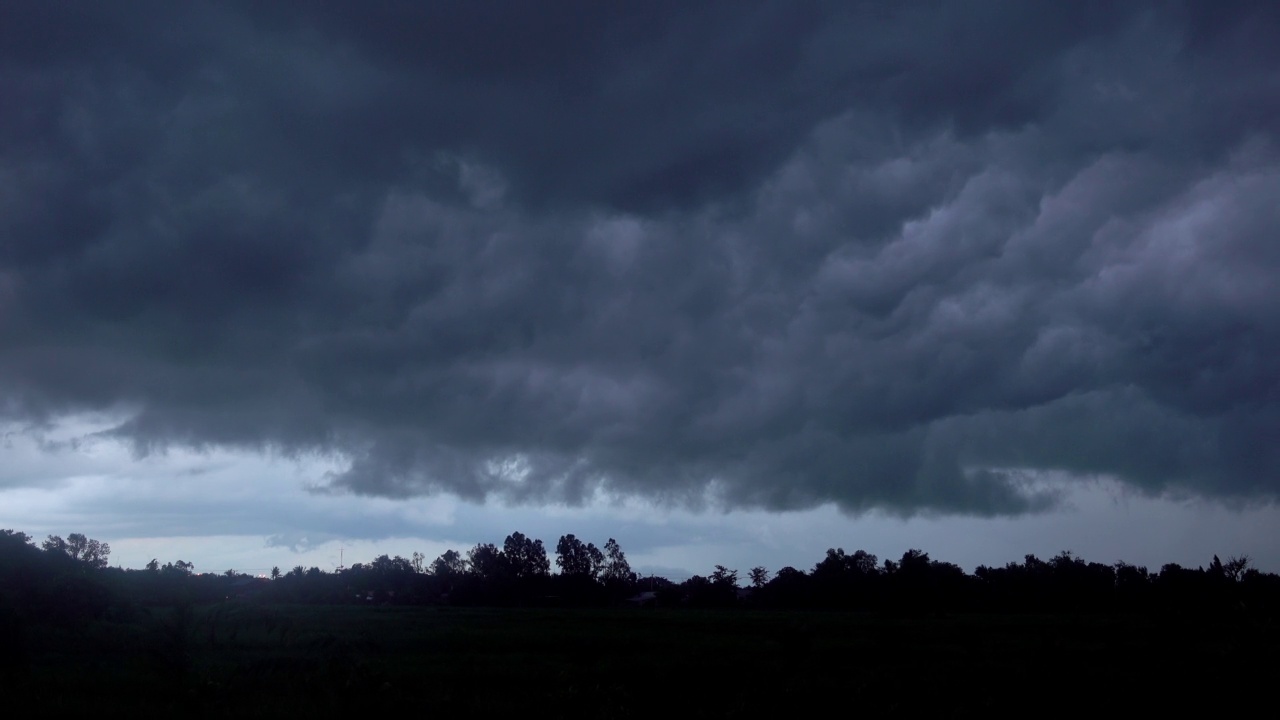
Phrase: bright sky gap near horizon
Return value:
(732, 282)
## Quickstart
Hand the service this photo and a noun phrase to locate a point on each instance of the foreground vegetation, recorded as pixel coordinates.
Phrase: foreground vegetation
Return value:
(851, 635)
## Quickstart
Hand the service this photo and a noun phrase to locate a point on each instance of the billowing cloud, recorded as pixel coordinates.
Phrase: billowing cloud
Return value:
(901, 258)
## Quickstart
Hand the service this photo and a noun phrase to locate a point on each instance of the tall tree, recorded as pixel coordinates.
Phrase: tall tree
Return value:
(54, 544)
(759, 576)
(449, 564)
(725, 577)
(15, 536)
(577, 559)
(397, 565)
(616, 568)
(78, 547)
(487, 562)
(526, 556)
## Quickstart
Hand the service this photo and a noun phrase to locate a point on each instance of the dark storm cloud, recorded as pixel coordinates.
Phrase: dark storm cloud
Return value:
(784, 254)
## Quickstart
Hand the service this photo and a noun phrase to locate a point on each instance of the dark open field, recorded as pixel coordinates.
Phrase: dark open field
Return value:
(235, 660)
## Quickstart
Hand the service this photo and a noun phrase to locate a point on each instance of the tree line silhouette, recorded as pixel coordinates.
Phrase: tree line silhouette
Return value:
(70, 580)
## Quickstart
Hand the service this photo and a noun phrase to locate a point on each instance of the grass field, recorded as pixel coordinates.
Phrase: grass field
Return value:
(236, 660)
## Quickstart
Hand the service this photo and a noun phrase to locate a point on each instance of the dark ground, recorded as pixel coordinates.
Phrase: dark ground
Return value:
(236, 660)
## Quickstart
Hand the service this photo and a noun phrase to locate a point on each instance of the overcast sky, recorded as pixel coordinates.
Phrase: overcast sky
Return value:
(733, 282)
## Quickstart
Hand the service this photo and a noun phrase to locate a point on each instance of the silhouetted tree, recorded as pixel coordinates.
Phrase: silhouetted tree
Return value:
(913, 562)
(449, 564)
(48, 582)
(576, 558)
(718, 590)
(790, 588)
(80, 548)
(837, 564)
(55, 545)
(1232, 570)
(846, 580)
(725, 577)
(616, 569)
(15, 537)
(486, 562)
(90, 552)
(391, 566)
(525, 556)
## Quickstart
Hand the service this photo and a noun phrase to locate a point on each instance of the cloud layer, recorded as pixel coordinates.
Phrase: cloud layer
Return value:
(774, 256)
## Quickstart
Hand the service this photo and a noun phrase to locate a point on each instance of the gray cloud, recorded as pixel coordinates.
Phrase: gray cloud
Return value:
(763, 255)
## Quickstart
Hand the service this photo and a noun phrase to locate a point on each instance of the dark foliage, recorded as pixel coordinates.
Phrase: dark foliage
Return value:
(165, 639)
(67, 580)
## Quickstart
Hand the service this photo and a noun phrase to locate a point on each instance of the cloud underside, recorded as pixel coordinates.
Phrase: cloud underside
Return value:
(771, 257)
